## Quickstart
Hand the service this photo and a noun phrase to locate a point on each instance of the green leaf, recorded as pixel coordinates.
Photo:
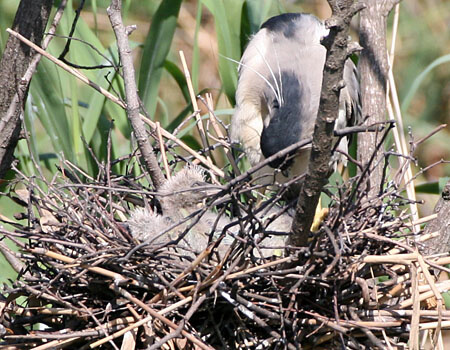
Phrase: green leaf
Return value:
(191, 141)
(225, 111)
(46, 89)
(428, 187)
(94, 12)
(164, 112)
(416, 83)
(156, 49)
(179, 77)
(254, 13)
(433, 187)
(8, 273)
(228, 24)
(179, 118)
(195, 67)
(446, 297)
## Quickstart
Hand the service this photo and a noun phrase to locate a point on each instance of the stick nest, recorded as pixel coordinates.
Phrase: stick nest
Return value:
(86, 282)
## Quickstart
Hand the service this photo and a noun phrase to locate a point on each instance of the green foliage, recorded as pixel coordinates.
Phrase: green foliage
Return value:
(47, 94)
(421, 70)
(156, 48)
(62, 112)
(228, 22)
(8, 272)
(446, 297)
(433, 187)
(7, 208)
(420, 78)
(254, 13)
(179, 77)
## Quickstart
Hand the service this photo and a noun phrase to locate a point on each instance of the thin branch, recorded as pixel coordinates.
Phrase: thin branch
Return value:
(132, 98)
(116, 100)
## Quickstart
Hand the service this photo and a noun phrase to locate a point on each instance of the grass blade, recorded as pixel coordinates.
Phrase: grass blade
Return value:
(228, 24)
(156, 49)
(416, 83)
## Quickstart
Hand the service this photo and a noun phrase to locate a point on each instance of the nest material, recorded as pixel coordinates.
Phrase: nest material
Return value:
(86, 282)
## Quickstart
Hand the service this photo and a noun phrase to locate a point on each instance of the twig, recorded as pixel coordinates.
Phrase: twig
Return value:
(415, 319)
(437, 295)
(116, 100)
(163, 319)
(163, 150)
(11, 258)
(131, 95)
(117, 277)
(199, 122)
(402, 147)
(210, 105)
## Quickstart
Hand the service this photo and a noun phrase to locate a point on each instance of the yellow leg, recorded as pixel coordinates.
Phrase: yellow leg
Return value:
(321, 214)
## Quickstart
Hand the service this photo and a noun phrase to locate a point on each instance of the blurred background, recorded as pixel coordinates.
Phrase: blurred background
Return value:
(209, 32)
(61, 112)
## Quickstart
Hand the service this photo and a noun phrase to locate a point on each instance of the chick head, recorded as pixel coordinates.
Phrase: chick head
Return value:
(185, 190)
(145, 224)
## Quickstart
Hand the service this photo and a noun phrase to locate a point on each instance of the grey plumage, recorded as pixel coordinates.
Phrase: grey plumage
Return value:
(184, 191)
(278, 94)
(182, 196)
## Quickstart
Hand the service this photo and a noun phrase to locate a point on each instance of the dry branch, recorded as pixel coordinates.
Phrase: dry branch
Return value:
(17, 66)
(373, 68)
(131, 95)
(319, 162)
(82, 265)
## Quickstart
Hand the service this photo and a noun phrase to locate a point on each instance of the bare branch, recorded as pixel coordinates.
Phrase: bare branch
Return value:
(17, 66)
(132, 98)
(319, 163)
(373, 68)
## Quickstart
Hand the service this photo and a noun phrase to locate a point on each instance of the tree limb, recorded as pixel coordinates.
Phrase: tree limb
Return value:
(31, 20)
(319, 162)
(441, 243)
(373, 68)
(132, 98)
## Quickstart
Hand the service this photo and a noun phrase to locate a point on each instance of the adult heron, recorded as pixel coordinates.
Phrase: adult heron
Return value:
(278, 93)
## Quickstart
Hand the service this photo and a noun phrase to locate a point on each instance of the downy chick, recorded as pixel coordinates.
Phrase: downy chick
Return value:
(180, 197)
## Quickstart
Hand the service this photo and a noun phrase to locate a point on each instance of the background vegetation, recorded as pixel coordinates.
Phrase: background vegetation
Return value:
(61, 112)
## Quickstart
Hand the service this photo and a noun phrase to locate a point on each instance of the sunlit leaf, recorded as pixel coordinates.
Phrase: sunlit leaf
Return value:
(156, 49)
